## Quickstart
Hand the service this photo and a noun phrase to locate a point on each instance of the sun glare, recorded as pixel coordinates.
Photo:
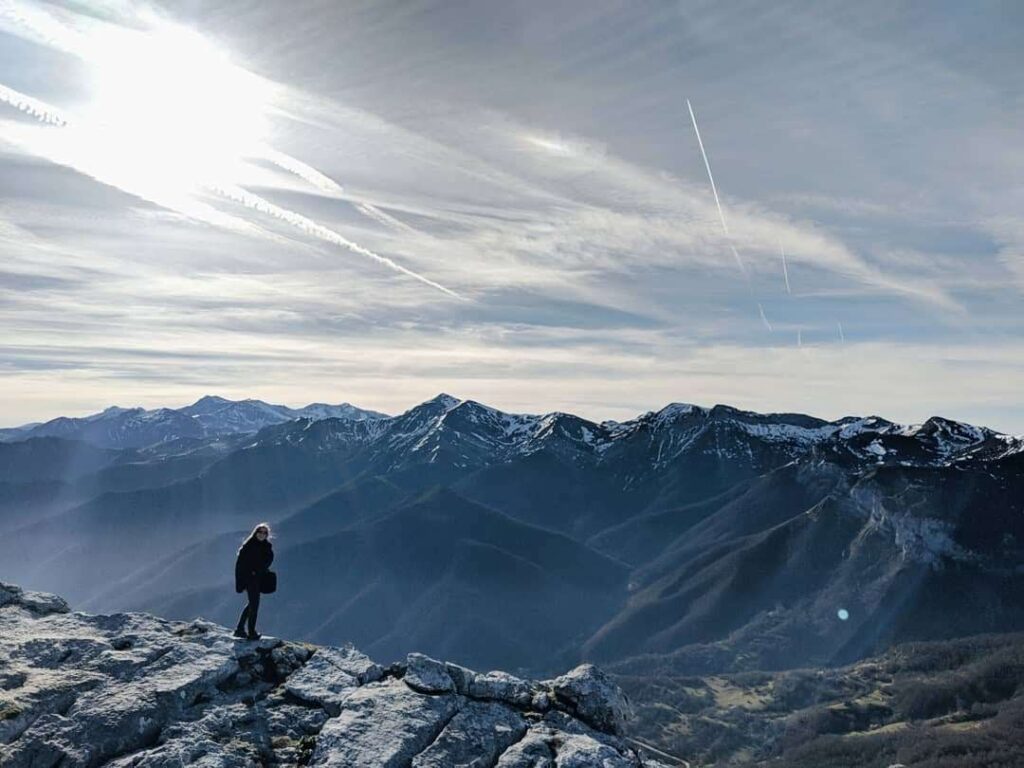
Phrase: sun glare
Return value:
(170, 119)
(170, 105)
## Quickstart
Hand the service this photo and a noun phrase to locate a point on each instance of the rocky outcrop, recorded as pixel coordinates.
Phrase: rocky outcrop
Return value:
(133, 690)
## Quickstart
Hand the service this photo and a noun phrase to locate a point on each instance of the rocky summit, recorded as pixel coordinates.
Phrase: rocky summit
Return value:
(131, 689)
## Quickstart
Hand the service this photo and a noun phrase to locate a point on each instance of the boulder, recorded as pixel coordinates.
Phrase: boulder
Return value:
(427, 675)
(383, 724)
(592, 696)
(481, 732)
(38, 603)
(501, 686)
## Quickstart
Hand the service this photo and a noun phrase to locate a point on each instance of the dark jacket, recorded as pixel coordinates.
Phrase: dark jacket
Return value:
(253, 559)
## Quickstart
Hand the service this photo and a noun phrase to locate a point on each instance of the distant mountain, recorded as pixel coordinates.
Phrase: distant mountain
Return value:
(723, 539)
(756, 580)
(529, 595)
(50, 458)
(210, 416)
(12, 433)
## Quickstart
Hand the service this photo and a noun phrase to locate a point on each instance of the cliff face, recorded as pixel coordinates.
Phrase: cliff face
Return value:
(130, 689)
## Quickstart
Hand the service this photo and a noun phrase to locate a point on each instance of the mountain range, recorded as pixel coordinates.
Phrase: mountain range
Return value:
(689, 540)
(208, 417)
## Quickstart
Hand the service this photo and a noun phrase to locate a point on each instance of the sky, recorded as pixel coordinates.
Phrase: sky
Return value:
(374, 202)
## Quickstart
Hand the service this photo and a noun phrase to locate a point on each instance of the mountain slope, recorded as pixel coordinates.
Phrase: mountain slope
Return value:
(399, 581)
(902, 550)
(737, 536)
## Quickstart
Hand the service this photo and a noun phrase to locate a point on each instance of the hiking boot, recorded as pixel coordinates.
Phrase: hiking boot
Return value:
(254, 636)
(240, 633)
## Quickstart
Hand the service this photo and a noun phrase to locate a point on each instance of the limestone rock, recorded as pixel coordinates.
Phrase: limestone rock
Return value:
(383, 724)
(593, 697)
(481, 731)
(461, 677)
(325, 681)
(136, 691)
(40, 603)
(501, 686)
(427, 675)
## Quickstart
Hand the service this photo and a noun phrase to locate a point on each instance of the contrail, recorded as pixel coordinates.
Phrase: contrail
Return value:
(707, 165)
(39, 110)
(375, 213)
(47, 114)
(310, 227)
(714, 189)
(785, 269)
(305, 172)
(764, 319)
(842, 338)
(739, 261)
(324, 183)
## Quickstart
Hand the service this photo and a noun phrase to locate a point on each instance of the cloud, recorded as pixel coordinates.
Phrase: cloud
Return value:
(1009, 234)
(560, 186)
(174, 118)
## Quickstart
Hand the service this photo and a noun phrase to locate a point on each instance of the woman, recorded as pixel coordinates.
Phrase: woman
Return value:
(254, 558)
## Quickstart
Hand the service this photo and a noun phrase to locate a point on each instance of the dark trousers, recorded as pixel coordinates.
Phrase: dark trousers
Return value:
(252, 609)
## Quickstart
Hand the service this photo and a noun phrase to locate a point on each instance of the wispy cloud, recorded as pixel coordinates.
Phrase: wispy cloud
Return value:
(561, 187)
(114, 145)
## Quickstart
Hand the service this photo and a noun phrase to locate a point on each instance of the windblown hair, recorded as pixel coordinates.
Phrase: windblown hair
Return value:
(252, 536)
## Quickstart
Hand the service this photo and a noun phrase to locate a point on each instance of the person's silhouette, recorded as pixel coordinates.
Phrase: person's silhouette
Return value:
(254, 559)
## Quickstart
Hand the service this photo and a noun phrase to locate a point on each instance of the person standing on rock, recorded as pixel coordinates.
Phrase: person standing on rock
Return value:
(253, 561)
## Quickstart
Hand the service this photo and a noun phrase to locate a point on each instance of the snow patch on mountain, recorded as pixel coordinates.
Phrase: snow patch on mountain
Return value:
(210, 416)
(470, 433)
(788, 433)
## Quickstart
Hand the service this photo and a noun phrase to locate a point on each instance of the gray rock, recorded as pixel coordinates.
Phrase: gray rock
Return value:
(38, 603)
(325, 680)
(135, 691)
(356, 663)
(581, 751)
(460, 676)
(535, 750)
(561, 722)
(477, 735)
(427, 675)
(383, 724)
(501, 686)
(548, 746)
(593, 697)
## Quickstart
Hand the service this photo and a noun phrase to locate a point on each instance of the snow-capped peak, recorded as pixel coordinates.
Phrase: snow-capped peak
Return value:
(444, 400)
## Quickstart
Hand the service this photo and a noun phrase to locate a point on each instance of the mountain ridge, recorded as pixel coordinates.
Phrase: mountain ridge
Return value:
(810, 516)
(209, 416)
(228, 411)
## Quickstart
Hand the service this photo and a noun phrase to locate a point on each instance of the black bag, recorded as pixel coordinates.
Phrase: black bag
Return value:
(268, 582)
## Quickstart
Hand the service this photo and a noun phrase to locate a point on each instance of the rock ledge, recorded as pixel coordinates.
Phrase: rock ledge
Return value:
(132, 689)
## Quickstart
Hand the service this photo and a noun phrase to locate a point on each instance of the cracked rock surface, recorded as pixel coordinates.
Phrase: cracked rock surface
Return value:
(131, 690)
